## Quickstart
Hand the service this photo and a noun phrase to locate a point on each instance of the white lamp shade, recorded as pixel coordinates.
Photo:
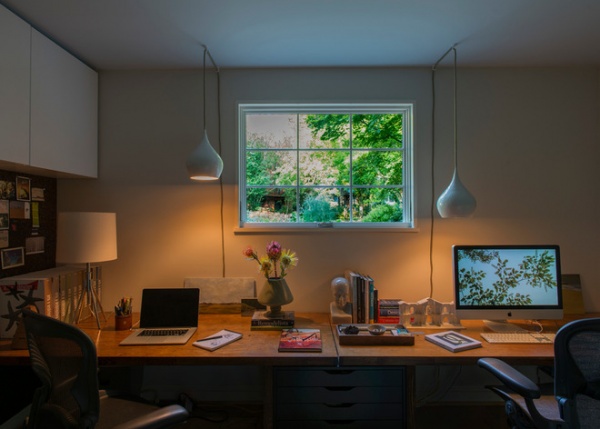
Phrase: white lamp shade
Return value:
(456, 200)
(86, 237)
(204, 163)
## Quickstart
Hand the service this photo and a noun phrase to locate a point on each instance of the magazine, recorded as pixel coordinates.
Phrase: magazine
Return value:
(218, 340)
(300, 340)
(453, 341)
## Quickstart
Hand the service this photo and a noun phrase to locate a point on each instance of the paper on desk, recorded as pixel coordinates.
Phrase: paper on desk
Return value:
(218, 339)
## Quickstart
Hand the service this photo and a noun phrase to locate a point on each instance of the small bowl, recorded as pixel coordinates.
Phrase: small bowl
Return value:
(377, 329)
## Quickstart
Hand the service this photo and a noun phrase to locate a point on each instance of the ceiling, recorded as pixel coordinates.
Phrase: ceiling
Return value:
(167, 34)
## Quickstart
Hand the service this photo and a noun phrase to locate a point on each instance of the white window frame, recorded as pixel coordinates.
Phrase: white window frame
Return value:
(404, 108)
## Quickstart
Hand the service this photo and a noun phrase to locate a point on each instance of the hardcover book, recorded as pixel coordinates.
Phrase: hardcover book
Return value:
(453, 341)
(300, 340)
(261, 322)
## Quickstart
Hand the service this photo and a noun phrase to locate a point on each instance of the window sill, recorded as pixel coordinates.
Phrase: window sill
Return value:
(316, 230)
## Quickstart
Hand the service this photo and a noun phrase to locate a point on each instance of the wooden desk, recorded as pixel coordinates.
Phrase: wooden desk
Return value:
(255, 347)
(260, 348)
(425, 353)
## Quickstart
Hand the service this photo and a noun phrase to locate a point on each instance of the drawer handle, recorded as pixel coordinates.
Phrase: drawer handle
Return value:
(339, 388)
(338, 422)
(339, 371)
(340, 405)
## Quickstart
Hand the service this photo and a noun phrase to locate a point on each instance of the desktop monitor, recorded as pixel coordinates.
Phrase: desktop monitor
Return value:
(507, 282)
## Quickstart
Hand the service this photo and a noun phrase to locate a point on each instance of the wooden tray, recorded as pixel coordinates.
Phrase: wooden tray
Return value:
(365, 338)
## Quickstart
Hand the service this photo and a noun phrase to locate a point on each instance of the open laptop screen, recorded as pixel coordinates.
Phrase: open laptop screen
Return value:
(166, 308)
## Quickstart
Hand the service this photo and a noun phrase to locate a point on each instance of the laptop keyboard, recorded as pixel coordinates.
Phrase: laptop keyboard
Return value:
(162, 332)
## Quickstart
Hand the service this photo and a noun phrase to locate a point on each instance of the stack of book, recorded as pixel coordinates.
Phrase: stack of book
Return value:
(261, 321)
(388, 311)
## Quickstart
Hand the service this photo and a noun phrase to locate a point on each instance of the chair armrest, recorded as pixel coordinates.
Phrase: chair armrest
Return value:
(160, 418)
(511, 377)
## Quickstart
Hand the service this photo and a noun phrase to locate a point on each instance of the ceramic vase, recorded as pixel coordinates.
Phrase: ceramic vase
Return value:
(275, 293)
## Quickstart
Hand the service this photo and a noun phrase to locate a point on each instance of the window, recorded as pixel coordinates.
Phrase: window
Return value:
(326, 165)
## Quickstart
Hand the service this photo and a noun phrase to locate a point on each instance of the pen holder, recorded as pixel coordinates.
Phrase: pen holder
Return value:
(123, 323)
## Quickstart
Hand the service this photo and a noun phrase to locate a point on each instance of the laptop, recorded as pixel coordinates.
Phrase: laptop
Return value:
(167, 316)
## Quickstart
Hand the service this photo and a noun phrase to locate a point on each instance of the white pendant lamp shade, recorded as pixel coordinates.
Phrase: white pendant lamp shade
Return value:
(204, 163)
(456, 200)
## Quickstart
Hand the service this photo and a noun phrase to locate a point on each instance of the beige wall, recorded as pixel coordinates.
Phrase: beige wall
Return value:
(529, 147)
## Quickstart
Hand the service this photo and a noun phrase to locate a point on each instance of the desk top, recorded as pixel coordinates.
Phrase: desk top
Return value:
(260, 347)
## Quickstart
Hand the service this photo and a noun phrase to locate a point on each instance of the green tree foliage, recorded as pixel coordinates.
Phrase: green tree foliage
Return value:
(535, 270)
(327, 162)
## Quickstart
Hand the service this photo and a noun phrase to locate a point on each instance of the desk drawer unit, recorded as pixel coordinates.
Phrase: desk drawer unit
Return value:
(349, 398)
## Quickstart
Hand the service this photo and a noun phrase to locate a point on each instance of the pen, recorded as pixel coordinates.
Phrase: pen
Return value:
(211, 338)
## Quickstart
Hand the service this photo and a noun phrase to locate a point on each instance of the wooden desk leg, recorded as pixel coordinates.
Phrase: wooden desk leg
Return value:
(410, 397)
(268, 399)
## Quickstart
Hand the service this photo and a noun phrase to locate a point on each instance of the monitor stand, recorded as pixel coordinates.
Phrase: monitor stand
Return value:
(502, 326)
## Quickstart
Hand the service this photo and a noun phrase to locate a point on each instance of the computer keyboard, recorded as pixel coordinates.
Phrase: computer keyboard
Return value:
(518, 337)
(162, 332)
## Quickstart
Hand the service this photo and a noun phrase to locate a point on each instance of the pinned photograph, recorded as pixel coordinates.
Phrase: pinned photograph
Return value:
(23, 188)
(14, 257)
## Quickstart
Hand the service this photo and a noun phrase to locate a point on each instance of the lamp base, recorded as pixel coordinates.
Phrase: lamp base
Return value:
(90, 298)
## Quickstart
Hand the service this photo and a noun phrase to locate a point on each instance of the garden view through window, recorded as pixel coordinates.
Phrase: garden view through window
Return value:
(326, 165)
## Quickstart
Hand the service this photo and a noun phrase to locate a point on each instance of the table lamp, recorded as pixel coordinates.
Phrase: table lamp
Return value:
(87, 237)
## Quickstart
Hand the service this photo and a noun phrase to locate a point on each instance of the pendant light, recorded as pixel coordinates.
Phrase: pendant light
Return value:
(204, 163)
(456, 200)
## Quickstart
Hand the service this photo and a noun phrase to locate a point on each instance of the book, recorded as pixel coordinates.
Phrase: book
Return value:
(217, 340)
(453, 341)
(300, 340)
(260, 321)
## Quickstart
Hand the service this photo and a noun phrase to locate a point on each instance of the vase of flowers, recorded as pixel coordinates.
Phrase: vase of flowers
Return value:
(274, 266)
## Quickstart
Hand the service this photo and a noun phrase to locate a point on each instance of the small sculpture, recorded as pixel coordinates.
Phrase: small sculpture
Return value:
(341, 307)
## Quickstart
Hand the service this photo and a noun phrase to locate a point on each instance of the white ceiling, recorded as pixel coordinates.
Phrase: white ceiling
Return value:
(126, 34)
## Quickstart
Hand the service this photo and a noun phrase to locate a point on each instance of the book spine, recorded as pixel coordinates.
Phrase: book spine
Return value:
(282, 323)
(388, 319)
(384, 311)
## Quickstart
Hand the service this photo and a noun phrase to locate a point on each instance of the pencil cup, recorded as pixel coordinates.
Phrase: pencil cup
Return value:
(123, 323)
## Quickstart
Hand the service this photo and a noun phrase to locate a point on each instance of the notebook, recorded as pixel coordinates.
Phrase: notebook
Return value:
(167, 316)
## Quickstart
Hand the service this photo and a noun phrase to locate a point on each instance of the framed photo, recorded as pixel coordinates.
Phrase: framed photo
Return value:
(13, 257)
(23, 188)
(3, 214)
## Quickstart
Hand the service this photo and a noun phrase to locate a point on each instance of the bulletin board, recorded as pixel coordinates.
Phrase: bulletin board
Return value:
(27, 223)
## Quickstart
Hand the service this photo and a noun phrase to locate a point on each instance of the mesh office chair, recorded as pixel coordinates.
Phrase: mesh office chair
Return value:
(575, 401)
(64, 358)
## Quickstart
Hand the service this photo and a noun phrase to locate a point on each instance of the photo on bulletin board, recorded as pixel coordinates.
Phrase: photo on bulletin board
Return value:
(23, 188)
(13, 257)
(3, 214)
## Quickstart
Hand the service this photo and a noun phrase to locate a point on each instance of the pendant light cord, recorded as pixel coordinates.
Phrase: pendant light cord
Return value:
(207, 52)
(432, 205)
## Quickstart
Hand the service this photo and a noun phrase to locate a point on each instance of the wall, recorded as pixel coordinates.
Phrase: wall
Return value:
(529, 147)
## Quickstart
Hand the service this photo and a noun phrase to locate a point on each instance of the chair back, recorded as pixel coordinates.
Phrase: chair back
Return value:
(577, 373)
(64, 358)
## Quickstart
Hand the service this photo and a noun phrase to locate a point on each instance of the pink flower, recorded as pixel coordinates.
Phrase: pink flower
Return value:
(248, 252)
(274, 250)
(276, 259)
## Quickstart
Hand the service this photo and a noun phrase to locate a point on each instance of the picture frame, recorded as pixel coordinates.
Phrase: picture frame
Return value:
(23, 185)
(13, 257)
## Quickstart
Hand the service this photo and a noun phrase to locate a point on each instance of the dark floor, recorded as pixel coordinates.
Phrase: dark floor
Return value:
(476, 416)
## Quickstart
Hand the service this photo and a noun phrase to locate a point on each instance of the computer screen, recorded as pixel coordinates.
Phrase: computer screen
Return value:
(507, 282)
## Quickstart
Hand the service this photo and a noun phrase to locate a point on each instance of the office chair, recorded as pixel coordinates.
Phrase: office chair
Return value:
(574, 402)
(64, 359)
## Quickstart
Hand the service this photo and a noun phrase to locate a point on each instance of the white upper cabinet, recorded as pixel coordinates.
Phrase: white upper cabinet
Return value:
(48, 105)
(15, 40)
(64, 110)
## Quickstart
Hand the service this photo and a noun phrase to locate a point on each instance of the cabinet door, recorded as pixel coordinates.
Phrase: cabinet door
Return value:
(15, 36)
(64, 110)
